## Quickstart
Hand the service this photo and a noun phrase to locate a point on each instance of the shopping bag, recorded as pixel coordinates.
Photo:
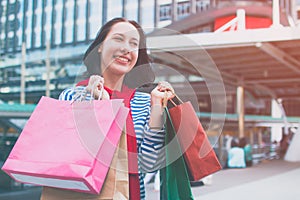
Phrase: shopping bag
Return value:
(116, 184)
(174, 177)
(198, 154)
(117, 181)
(68, 145)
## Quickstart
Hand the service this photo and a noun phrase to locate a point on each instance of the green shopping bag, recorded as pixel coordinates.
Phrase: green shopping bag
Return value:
(174, 179)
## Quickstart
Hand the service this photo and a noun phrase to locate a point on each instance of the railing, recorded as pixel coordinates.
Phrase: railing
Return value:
(186, 8)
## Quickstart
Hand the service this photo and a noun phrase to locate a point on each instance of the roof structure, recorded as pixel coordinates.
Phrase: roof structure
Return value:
(264, 61)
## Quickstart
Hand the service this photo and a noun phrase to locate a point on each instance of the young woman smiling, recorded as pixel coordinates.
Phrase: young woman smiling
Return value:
(117, 61)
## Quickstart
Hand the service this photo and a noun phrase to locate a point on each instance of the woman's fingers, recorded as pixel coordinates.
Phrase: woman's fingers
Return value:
(165, 86)
(95, 85)
(105, 95)
(162, 92)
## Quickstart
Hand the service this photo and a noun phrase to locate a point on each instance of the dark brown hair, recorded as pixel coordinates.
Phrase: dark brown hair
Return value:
(141, 73)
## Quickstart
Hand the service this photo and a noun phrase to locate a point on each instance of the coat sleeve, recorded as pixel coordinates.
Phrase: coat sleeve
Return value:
(150, 142)
(74, 93)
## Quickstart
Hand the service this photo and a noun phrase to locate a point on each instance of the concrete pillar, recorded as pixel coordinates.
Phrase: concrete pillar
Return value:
(174, 10)
(240, 110)
(48, 69)
(193, 6)
(259, 137)
(276, 129)
(23, 74)
(156, 11)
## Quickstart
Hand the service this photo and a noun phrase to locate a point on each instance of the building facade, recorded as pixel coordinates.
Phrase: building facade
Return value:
(68, 26)
(49, 37)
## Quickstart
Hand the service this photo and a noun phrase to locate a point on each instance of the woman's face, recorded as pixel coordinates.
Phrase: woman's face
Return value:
(119, 50)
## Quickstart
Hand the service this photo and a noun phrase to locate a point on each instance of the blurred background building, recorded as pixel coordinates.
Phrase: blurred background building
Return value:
(42, 43)
(68, 26)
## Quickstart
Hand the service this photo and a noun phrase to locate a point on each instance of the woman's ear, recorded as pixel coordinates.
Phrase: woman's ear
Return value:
(100, 49)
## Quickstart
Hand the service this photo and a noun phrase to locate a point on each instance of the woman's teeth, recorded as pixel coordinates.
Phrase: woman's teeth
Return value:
(123, 59)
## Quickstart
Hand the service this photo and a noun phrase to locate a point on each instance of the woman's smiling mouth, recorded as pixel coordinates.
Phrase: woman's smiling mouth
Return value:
(122, 59)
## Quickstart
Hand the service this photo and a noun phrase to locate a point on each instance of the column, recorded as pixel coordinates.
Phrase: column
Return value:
(240, 110)
(23, 74)
(193, 7)
(276, 129)
(174, 10)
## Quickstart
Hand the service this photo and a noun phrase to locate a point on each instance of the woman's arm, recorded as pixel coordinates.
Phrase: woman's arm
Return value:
(150, 142)
(75, 93)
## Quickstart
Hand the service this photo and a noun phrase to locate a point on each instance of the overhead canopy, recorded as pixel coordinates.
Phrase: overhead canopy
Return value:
(265, 61)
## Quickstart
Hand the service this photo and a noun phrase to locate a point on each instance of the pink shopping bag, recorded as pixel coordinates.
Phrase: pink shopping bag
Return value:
(68, 145)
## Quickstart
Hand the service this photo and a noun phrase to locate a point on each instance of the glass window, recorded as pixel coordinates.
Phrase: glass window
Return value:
(69, 21)
(2, 24)
(58, 21)
(202, 5)
(132, 9)
(165, 12)
(28, 29)
(95, 18)
(183, 9)
(38, 23)
(147, 15)
(20, 24)
(80, 21)
(48, 18)
(114, 9)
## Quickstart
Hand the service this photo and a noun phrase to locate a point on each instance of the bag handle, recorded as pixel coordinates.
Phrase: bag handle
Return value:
(165, 100)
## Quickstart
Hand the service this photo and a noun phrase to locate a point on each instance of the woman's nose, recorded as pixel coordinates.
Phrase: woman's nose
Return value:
(126, 48)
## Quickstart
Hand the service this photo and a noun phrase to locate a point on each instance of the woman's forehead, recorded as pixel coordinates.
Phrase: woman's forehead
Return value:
(125, 28)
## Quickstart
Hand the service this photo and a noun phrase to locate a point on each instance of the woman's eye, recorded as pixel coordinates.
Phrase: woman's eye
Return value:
(134, 44)
(119, 39)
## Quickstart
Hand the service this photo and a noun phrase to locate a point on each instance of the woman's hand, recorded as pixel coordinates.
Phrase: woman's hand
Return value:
(95, 85)
(162, 91)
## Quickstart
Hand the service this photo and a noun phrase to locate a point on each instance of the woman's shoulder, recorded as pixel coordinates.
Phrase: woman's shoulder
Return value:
(140, 97)
(143, 92)
(146, 88)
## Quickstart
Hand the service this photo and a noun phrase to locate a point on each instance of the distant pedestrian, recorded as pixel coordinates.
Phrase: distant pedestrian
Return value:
(247, 150)
(236, 156)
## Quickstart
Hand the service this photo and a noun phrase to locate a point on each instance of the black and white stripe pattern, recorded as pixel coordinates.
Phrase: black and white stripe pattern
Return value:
(150, 143)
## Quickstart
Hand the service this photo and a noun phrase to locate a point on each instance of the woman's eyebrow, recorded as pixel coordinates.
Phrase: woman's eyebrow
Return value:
(119, 34)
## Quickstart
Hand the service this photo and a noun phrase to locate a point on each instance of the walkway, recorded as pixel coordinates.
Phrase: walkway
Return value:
(268, 180)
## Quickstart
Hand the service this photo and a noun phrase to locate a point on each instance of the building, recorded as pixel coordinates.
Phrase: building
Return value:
(42, 44)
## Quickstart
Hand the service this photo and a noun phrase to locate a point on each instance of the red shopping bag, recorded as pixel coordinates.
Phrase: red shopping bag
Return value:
(199, 155)
(68, 145)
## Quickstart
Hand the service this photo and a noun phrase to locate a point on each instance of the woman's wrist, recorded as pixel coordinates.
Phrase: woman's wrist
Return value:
(156, 117)
(156, 101)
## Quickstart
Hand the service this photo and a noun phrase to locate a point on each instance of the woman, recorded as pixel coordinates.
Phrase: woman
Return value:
(117, 61)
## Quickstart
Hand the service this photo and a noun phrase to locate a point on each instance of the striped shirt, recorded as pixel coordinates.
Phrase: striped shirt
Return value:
(149, 142)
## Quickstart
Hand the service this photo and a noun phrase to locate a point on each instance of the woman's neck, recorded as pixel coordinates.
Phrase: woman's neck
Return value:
(113, 83)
